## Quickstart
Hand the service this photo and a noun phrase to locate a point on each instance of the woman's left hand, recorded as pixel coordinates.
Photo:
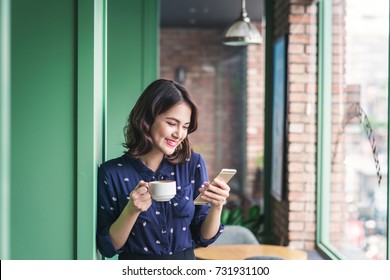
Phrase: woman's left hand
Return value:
(216, 193)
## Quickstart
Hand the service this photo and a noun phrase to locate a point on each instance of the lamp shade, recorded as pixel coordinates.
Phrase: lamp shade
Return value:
(242, 32)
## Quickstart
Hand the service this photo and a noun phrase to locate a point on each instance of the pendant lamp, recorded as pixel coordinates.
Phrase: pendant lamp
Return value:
(242, 32)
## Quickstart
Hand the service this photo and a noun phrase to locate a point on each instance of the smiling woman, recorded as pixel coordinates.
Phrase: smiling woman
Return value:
(130, 222)
(170, 129)
(158, 99)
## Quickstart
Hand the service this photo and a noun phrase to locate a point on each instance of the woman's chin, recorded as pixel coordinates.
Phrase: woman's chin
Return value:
(170, 152)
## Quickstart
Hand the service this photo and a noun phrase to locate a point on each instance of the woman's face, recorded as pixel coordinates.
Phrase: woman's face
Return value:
(170, 128)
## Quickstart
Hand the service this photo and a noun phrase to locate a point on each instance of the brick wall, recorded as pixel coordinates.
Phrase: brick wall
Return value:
(215, 77)
(298, 211)
(203, 56)
(255, 117)
(294, 218)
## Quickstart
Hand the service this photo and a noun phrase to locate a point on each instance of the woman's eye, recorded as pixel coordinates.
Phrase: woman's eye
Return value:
(185, 127)
(171, 124)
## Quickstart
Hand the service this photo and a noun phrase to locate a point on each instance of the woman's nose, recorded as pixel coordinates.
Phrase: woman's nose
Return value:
(178, 133)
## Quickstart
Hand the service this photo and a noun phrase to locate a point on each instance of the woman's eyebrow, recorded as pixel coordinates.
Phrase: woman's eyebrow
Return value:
(176, 120)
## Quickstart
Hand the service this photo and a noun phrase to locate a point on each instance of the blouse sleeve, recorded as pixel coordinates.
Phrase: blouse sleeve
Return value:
(201, 211)
(107, 213)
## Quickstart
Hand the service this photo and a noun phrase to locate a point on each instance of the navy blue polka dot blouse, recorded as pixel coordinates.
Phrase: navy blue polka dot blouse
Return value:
(166, 228)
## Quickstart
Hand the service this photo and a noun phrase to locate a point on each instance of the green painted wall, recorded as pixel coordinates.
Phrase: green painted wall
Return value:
(132, 25)
(42, 129)
(91, 93)
(60, 124)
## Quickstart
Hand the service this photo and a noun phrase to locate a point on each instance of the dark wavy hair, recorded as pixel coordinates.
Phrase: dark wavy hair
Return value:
(159, 97)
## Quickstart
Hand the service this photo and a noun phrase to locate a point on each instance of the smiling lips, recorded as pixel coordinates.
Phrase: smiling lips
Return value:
(171, 143)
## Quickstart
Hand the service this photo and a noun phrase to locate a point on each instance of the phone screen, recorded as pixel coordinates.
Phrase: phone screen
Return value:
(225, 175)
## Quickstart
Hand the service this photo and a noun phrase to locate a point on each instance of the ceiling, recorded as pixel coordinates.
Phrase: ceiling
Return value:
(206, 13)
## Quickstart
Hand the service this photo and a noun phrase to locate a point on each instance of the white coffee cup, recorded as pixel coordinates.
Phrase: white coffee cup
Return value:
(162, 190)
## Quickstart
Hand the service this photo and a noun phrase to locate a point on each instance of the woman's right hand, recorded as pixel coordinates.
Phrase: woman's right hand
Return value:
(140, 198)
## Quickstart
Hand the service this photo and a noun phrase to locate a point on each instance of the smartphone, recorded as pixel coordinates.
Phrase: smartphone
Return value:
(225, 175)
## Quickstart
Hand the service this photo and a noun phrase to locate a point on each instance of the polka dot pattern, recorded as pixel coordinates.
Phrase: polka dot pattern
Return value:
(165, 228)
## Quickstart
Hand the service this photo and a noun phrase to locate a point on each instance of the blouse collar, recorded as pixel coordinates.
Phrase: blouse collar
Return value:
(164, 172)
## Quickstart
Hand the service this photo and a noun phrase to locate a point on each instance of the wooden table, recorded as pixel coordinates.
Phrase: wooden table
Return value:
(242, 251)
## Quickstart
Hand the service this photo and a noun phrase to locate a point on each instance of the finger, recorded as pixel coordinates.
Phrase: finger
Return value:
(211, 190)
(144, 206)
(138, 197)
(142, 190)
(219, 183)
(215, 196)
(217, 190)
(142, 187)
(141, 184)
(141, 194)
(214, 192)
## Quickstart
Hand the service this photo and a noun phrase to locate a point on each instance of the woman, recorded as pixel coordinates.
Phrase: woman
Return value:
(130, 223)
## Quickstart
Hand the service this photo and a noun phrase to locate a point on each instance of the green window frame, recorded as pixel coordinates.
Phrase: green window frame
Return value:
(5, 116)
(324, 135)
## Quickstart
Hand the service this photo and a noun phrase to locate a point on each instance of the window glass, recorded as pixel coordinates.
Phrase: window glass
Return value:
(358, 184)
(227, 84)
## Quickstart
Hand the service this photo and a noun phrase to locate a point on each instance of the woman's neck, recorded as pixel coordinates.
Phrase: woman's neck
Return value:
(152, 161)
